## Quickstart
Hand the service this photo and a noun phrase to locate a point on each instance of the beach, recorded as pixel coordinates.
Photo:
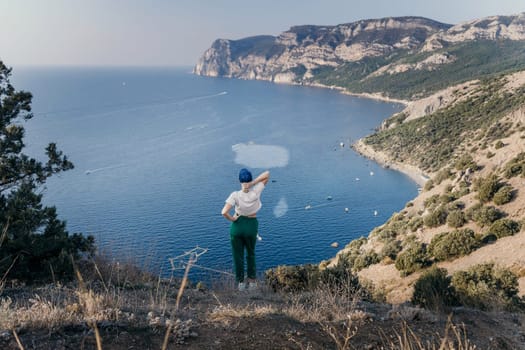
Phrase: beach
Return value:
(383, 159)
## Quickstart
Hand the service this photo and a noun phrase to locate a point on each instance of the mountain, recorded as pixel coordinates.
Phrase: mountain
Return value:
(401, 57)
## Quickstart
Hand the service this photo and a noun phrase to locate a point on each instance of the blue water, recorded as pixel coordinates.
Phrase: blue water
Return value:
(154, 163)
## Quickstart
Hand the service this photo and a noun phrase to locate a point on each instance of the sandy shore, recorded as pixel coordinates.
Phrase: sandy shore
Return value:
(374, 96)
(380, 157)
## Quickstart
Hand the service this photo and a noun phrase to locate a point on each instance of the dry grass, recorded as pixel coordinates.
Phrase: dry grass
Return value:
(454, 338)
(107, 291)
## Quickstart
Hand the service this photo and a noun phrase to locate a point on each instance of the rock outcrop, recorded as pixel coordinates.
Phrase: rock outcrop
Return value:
(296, 54)
(302, 53)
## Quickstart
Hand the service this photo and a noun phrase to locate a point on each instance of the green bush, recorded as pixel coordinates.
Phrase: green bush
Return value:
(415, 223)
(292, 278)
(515, 166)
(446, 198)
(504, 227)
(431, 201)
(411, 259)
(449, 245)
(442, 175)
(503, 195)
(463, 190)
(487, 187)
(357, 259)
(465, 162)
(429, 185)
(436, 218)
(499, 145)
(483, 215)
(456, 218)
(486, 287)
(391, 248)
(339, 277)
(364, 260)
(433, 290)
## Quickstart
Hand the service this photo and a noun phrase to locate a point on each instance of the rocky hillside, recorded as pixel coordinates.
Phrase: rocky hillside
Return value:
(469, 139)
(404, 57)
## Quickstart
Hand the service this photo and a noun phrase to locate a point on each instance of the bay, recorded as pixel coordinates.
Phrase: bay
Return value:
(158, 150)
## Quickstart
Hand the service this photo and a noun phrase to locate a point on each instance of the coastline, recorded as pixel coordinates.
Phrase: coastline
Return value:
(381, 158)
(373, 96)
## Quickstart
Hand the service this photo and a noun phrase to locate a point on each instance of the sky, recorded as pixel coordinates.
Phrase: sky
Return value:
(177, 32)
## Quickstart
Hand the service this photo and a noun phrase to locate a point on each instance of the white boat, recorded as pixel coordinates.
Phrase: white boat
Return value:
(308, 207)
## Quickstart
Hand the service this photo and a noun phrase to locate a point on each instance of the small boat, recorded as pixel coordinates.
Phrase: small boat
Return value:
(308, 207)
(334, 245)
(356, 179)
(375, 213)
(371, 173)
(347, 210)
(329, 198)
(342, 144)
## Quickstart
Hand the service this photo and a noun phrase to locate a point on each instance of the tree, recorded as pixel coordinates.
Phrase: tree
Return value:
(34, 243)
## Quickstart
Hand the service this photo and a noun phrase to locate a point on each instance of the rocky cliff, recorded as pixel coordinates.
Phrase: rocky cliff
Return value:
(296, 53)
(394, 56)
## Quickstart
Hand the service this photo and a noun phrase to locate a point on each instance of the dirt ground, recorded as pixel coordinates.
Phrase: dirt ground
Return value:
(229, 319)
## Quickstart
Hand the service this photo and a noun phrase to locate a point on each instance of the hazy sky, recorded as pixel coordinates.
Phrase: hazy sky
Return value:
(176, 32)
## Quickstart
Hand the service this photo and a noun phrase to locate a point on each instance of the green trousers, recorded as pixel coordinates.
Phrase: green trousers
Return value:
(243, 235)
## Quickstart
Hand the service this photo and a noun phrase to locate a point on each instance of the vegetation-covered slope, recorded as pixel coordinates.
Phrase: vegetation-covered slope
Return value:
(469, 218)
(472, 59)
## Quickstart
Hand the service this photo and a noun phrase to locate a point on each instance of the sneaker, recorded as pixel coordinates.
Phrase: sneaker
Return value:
(242, 286)
(252, 286)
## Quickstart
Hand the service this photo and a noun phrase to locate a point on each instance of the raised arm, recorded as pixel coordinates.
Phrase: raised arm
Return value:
(263, 177)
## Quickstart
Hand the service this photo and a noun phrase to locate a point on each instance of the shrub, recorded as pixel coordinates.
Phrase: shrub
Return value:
(436, 218)
(486, 287)
(446, 198)
(338, 276)
(503, 195)
(433, 290)
(487, 187)
(415, 223)
(448, 245)
(504, 227)
(490, 154)
(391, 249)
(484, 215)
(431, 201)
(364, 260)
(456, 218)
(357, 259)
(463, 190)
(465, 162)
(499, 144)
(442, 175)
(515, 166)
(429, 185)
(413, 258)
(292, 278)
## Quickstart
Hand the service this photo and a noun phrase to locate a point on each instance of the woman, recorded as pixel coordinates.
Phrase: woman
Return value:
(244, 227)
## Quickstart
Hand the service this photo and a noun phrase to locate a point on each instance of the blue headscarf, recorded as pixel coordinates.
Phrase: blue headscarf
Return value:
(245, 175)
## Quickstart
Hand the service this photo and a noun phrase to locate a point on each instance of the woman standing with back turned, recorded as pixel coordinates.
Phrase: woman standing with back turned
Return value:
(244, 227)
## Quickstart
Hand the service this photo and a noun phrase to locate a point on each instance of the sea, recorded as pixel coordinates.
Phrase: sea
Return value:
(158, 150)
